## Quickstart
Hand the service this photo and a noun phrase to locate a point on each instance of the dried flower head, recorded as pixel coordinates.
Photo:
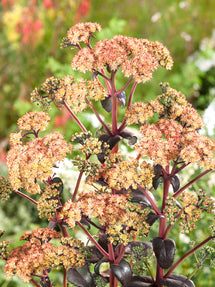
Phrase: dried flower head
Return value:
(33, 162)
(37, 121)
(38, 254)
(136, 57)
(82, 32)
(127, 220)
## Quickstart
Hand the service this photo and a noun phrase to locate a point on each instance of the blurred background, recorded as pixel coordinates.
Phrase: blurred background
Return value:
(30, 36)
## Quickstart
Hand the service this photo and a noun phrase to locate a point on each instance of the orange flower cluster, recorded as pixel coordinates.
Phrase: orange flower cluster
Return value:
(121, 218)
(136, 57)
(38, 254)
(129, 173)
(37, 121)
(67, 90)
(189, 208)
(193, 204)
(175, 134)
(82, 32)
(33, 161)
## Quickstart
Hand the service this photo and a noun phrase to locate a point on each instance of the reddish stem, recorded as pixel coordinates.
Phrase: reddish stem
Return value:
(113, 280)
(121, 253)
(114, 104)
(65, 277)
(34, 283)
(93, 240)
(125, 86)
(77, 186)
(99, 118)
(123, 124)
(74, 117)
(186, 255)
(111, 253)
(191, 182)
(27, 197)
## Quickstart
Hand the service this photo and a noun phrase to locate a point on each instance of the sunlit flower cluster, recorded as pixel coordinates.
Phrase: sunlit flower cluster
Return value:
(136, 57)
(113, 211)
(193, 204)
(34, 121)
(82, 32)
(174, 135)
(42, 234)
(189, 208)
(38, 254)
(139, 113)
(33, 162)
(129, 173)
(67, 90)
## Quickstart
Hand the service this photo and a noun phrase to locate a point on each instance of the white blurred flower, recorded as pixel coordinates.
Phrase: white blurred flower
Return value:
(186, 37)
(183, 4)
(209, 118)
(156, 17)
(184, 238)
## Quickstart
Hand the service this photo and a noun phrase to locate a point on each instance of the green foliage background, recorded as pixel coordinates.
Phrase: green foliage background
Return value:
(180, 25)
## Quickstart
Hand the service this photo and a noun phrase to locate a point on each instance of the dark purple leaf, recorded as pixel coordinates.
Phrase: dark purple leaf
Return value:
(140, 281)
(164, 251)
(132, 139)
(175, 182)
(103, 241)
(85, 222)
(122, 271)
(157, 170)
(138, 196)
(156, 181)
(107, 104)
(112, 141)
(152, 217)
(52, 224)
(122, 98)
(80, 277)
(126, 134)
(176, 280)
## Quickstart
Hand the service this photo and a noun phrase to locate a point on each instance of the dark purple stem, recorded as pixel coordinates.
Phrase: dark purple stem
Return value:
(34, 283)
(99, 118)
(123, 124)
(27, 197)
(191, 182)
(93, 240)
(74, 117)
(77, 186)
(187, 254)
(125, 86)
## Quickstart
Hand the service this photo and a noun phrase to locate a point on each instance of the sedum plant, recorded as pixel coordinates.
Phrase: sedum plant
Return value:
(124, 195)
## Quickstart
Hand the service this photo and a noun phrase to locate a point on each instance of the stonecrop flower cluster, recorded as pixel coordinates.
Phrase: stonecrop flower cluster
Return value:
(175, 135)
(118, 196)
(39, 254)
(33, 161)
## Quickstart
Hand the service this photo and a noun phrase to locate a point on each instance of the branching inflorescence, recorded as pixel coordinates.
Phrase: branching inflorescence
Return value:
(119, 198)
